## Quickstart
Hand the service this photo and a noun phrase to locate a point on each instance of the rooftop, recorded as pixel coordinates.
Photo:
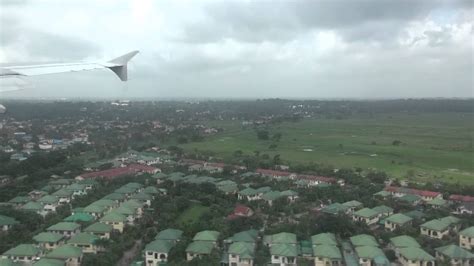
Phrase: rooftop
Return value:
(404, 241)
(47, 237)
(200, 247)
(206, 235)
(169, 234)
(327, 251)
(398, 218)
(65, 252)
(83, 238)
(286, 250)
(64, 226)
(23, 250)
(324, 239)
(364, 240)
(99, 228)
(455, 252)
(416, 254)
(160, 246)
(366, 213)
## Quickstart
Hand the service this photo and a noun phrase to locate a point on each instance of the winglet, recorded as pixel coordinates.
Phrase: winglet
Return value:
(120, 68)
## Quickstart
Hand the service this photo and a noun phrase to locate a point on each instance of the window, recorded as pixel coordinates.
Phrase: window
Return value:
(276, 257)
(233, 256)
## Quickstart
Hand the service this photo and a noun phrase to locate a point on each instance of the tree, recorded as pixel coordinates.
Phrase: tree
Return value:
(396, 143)
(262, 134)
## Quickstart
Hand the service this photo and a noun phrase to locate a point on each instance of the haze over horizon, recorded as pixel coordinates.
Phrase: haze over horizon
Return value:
(246, 49)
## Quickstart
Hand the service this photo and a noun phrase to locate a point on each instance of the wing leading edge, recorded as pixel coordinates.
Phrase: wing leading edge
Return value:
(117, 65)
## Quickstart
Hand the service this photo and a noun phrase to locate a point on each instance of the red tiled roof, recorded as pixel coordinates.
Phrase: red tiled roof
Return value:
(324, 179)
(272, 172)
(462, 198)
(120, 171)
(221, 165)
(239, 211)
(423, 193)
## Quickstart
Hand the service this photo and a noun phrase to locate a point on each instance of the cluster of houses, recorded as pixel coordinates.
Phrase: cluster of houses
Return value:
(65, 243)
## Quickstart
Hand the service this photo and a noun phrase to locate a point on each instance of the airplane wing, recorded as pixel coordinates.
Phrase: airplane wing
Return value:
(117, 65)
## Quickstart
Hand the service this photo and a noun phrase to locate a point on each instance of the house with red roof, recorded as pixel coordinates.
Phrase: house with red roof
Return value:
(275, 173)
(426, 195)
(240, 211)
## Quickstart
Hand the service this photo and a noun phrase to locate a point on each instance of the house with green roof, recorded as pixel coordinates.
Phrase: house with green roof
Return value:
(135, 205)
(67, 229)
(366, 215)
(85, 241)
(80, 217)
(49, 202)
(89, 183)
(324, 239)
(34, 207)
(284, 254)
(250, 194)
(437, 203)
(95, 210)
(108, 203)
(271, 196)
(383, 211)
(291, 195)
(410, 199)
(24, 253)
(170, 234)
(415, 256)
(403, 241)
(137, 186)
(207, 236)
(143, 197)
(416, 215)
(60, 183)
(280, 238)
(371, 255)
(48, 240)
(396, 221)
(156, 252)
(101, 230)
(327, 255)
(241, 253)
(64, 196)
(77, 189)
(6, 222)
(116, 220)
(335, 209)
(128, 212)
(48, 262)
(151, 190)
(249, 236)
(198, 249)
(454, 255)
(466, 238)
(364, 240)
(72, 256)
(117, 197)
(353, 205)
(438, 228)
(19, 201)
(127, 191)
(382, 194)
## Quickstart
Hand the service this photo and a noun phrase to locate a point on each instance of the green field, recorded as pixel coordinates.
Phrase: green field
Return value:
(434, 146)
(191, 214)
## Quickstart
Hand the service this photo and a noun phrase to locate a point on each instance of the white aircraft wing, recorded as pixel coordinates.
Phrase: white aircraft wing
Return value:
(117, 65)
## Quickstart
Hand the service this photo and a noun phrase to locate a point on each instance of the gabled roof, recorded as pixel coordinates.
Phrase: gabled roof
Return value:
(134, 185)
(134, 204)
(76, 187)
(271, 195)
(415, 214)
(125, 210)
(248, 192)
(115, 196)
(243, 249)
(48, 262)
(23, 250)
(160, 246)
(79, 217)
(200, 247)
(63, 193)
(65, 252)
(288, 193)
(469, 232)
(366, 213)
(142, 196)
(404, 241)
(440, 224)
(99, 228)
(437, 202)
(352, 204)
(398, 218)
(455, 252)
(206, 235)
(92, 208)
(324, 239)
(104, 202)
(83, 239)
(19, 199)
(169, 234)
(410, 198)
(327, 251)
(369, 252)
(249, 236)
(32, 206)
(113, 217)
(150, 190)
(6, 220)
(64, 226)
(280, 238)
(47, 237)
(364, 240)
(382, 209)
(416, 254)
(335, 208)
(285, 250)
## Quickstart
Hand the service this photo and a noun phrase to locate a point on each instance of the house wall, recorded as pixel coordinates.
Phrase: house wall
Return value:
(466, 242)
(433, 233)
(319, 261)
(234, 260)
(452, 262)
(154, 258)
(407, 262)
(283, 261)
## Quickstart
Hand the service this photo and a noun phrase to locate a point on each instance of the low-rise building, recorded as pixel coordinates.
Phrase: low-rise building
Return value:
(156, 252)
(283, 254)
(438, 228)
(85, 241)
(353, 205)
(403, 241)
(455, 255)
(116, 220)
(396, 221)
(198, 249)
(48, 240)
(67, 229)
(466, 238)
(366, 215)
(327, 255)
(101, 230)
(371, 255)
(6, 222)
(23, 253)
(70, 255)
(414, 256)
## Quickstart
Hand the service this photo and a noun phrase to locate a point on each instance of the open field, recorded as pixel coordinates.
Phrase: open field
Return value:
(192, 214)
(433, 145)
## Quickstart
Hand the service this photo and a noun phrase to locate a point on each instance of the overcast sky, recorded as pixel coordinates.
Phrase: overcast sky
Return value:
(246, 49)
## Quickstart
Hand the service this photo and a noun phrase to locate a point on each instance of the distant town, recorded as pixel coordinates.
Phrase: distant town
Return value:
(129, 183)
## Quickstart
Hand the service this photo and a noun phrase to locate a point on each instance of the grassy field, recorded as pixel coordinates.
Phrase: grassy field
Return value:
(192, 214)
(433, 146)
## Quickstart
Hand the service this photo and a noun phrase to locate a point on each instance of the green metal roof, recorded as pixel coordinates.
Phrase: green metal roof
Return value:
(105, 203)
(327, 251)
(288, 193)
(366, 213)
(6, 220)
(48, 199)
(92, 208)
(404, 241)
(63, 193)
(410, 198)
(369, 252)
(243, 249)
(415, 253)
(335, 208)
(398, 218)
(19, 199)
(440, 224)
(115, 196)
(248, 192)
(125, 190)
(286, 250)
(124, 210)
(150, 190)
(382, 209)
(352, 204)
(324, 239)
(132, 204)
(142, 196)
(113, 217)
(47, 237)
(23, 250)
(469, 232)
(65, 252)
(249, 236)
(264, 189)
(382, 193)
(76, 187)
(364, 240)
(49, 262)
(83, 239)
(200, 247)
(32, 206)
(79, 217)
(415, 214)
(8, 262)
(437, 202)
(206, 235)
(280, 238)
(161, 246)
(99, 228)
(455, 252)
(169, 234)
(64, 226)
(134, 185)
(271, 195)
